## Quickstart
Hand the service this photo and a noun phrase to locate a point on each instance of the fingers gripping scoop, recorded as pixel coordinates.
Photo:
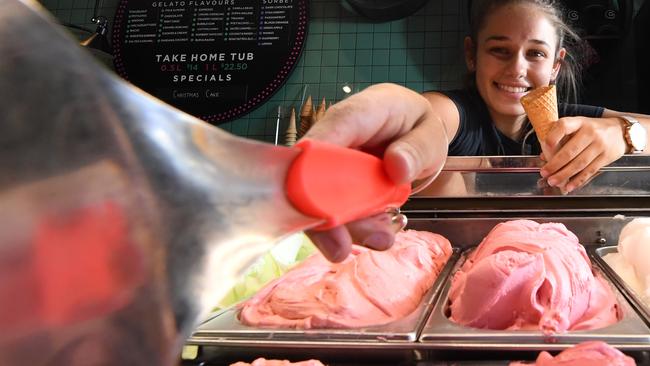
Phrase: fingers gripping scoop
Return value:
(340, 185)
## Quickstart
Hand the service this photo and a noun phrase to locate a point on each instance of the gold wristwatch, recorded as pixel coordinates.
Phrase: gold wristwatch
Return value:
(635, 135)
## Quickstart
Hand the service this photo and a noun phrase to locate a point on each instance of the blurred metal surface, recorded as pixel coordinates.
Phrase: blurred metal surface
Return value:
(518, 176)
(123, 220)
(529, 163)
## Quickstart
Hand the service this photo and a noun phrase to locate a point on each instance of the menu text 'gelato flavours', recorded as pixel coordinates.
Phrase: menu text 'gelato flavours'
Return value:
(215, 59)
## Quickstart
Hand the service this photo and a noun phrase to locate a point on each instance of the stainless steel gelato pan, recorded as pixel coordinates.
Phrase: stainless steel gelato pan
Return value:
(225, 328)
(629, 333)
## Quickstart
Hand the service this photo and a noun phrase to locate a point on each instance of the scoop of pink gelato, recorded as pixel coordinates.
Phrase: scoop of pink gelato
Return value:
(593, 353)
(265, 362)
(525, 275)
(368, 288)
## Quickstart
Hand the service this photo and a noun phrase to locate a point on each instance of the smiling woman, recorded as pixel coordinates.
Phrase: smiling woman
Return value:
(514, 46)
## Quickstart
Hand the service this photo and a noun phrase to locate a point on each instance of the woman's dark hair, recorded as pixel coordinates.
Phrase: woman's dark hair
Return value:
(568, 79)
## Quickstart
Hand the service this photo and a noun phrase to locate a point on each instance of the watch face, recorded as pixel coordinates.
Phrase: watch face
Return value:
(638, 137)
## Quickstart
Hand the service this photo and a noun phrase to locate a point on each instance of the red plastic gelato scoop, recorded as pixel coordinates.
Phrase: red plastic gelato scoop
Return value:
(340, 184)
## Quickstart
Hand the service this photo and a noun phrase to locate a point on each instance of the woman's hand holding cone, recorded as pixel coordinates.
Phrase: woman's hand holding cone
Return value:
(582, 146)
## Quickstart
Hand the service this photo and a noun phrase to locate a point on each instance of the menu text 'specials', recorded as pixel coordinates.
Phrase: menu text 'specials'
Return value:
(215, 59)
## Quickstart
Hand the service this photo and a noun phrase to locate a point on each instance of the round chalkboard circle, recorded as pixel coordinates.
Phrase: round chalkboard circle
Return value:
(215, 59)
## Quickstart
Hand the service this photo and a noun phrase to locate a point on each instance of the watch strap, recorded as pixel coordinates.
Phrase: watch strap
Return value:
(628, 122)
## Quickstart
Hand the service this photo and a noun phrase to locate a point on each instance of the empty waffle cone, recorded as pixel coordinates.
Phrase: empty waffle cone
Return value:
(320, 112)
(541, 107)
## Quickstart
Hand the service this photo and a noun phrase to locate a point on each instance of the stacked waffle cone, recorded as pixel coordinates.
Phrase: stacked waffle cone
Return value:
(306, 113)
(541, 107)
(308, 117)
(292, 132)
(320, 112)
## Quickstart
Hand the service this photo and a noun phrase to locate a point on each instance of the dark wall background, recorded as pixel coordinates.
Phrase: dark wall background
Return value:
(612, 80)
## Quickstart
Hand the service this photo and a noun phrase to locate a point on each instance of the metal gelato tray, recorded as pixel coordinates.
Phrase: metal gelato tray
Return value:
(634, 297)
(629, 333)
(226, 329)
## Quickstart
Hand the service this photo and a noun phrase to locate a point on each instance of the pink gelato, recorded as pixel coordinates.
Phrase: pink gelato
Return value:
(525, 275)
(368, 288)
(593, 353)
(265, 362)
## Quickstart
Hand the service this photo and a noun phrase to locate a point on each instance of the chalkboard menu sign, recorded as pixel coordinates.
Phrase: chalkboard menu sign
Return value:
(215, 59)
